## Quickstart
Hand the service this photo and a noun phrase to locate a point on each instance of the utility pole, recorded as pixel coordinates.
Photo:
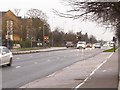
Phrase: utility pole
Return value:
(43, 36)
(52, 39)
(9, 32)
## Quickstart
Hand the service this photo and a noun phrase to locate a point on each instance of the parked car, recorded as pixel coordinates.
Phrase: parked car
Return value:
(69, 44)
(97, 45)
(5, 56)
(81, 44)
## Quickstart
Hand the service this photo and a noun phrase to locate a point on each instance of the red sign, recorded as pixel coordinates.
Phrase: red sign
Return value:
(46, 38)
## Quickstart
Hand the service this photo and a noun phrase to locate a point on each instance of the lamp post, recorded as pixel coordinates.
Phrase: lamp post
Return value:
(9, 32)
(52, 39)
(43, 36)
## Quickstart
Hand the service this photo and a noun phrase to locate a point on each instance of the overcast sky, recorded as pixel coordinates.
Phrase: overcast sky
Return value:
(55, 21)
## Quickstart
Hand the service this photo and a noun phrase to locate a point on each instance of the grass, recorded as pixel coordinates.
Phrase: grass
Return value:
(110, 50)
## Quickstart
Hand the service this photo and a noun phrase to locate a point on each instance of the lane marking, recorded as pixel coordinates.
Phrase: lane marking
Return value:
(31, 56)
(35, 62)
(18, 66)
(66, 68)
(79, 85)
(48, 60)
(104, 70)
(17, 58)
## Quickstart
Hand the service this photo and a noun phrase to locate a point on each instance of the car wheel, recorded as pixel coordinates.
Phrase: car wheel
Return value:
(10, 63)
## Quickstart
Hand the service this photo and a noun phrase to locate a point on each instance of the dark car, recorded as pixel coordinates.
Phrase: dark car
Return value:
(89, 45)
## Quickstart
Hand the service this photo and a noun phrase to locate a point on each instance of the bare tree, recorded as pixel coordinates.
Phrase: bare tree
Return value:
(17, 11)
(36, 13)
(106, 13)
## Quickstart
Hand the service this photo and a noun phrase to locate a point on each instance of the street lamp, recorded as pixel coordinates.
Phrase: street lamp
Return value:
(52, 39)
(43, 35)
(9, 32)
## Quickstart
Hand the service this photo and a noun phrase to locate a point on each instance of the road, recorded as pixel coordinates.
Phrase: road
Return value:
(29, 67)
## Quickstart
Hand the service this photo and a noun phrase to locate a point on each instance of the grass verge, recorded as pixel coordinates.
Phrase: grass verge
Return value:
(110, 50)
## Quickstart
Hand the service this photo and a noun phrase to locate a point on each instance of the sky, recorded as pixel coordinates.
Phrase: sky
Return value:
(67, 25)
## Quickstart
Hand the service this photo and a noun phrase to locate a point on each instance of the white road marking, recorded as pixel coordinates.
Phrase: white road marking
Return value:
(18, 66)
(78, 86)
(110, 69)
(17, 58)
(35, 62)
(51, 75)
(66, 68)
(104, 70)
(31, 56)
(48, 60)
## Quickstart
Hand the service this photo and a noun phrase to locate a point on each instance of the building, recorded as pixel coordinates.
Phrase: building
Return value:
(10, 27)
(17, 29)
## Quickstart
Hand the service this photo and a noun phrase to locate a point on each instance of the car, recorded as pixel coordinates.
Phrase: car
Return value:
(81, 44)
(111, 44)
(69, 44)
(89, 45)
(97, 45)
(5, 56)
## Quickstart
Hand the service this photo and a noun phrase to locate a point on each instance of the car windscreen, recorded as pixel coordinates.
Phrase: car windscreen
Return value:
(97, 43)
(81, 42)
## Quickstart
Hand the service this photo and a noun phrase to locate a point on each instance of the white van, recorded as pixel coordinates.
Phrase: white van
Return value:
(81, 44)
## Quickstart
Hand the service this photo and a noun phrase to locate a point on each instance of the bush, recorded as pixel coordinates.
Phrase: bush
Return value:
(25, 44)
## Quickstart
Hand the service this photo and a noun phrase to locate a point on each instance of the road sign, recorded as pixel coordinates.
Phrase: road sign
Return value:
(46, 38)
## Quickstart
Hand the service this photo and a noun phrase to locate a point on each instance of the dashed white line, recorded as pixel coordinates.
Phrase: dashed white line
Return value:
(104, 70)
(18, 66)
(35, 62)
(48, 60)
(17, 58)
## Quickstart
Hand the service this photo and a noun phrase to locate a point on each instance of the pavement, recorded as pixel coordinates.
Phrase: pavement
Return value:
(119, 67)
(76, 75)
(106, 76)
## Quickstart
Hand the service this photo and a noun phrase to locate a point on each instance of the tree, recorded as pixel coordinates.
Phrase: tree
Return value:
(36, 13)
(16, 11)
(92, 39)
(70, 36)
(38, 24)
(107, 13)
(58, 37)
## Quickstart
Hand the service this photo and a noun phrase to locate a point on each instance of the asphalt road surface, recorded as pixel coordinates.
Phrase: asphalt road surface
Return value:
(29, 67)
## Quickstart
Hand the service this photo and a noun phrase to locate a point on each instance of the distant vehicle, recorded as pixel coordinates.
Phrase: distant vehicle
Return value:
(5, 56)
(105, 45)
(89, 45)
(111, 44)
(69, 44)
(81, 44)
(97, 45)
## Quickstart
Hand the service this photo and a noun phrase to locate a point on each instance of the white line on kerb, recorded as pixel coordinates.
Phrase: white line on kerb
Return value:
(78, 86)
